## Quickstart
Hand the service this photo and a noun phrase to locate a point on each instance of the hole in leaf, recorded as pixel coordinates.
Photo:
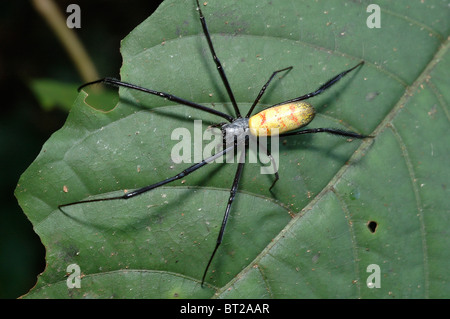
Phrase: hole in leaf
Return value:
(102, 97)
(372, 225)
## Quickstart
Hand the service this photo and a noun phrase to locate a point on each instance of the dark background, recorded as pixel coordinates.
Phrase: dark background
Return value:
(29, 50)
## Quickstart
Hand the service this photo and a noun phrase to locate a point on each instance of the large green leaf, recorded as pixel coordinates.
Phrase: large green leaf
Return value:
(310, 237)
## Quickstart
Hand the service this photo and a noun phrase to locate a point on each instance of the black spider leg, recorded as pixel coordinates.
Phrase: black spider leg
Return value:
(263, 89)
(139, 191)
(328, 130)
(170, 97)
(322, 88)
(233, 190)
(217, 62)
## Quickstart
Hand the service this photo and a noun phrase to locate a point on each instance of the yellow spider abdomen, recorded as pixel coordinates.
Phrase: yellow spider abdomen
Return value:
(285, 118)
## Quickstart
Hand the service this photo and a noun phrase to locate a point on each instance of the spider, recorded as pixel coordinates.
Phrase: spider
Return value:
(279, 120)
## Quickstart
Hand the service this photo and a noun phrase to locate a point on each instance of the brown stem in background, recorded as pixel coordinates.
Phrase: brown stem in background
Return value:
(68, 38)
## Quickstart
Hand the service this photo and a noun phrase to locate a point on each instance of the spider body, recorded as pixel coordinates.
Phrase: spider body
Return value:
(236, 131)
(285, 118)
